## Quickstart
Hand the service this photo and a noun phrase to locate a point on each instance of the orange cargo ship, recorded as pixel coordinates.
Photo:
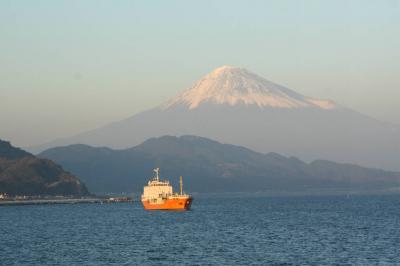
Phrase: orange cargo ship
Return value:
(159, 195)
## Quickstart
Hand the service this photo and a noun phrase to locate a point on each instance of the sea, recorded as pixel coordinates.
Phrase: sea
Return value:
(218, 230)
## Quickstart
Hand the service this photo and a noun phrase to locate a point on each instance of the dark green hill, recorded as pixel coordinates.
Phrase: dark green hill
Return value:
(21, 173)
(11, 153)
(209, 166)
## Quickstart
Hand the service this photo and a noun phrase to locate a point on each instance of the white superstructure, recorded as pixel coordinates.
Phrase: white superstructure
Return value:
(156, 190)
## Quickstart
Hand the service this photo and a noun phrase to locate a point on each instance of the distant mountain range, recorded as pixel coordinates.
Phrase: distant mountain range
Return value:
(209, 166)
(21, 173)
(233, 105)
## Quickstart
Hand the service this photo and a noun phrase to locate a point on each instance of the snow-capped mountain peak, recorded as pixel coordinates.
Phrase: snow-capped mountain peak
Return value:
(233, 85)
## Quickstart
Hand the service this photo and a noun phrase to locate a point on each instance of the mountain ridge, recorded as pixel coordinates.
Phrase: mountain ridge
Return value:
(7, 151)
(211, 166)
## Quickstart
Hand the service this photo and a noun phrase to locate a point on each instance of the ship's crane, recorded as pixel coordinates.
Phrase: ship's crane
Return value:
(181, 184)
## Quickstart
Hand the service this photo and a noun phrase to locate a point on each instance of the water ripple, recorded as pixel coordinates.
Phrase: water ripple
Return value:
(218, 231)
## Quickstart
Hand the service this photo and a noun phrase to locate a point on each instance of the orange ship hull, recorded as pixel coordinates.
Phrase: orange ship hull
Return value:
(174, 204)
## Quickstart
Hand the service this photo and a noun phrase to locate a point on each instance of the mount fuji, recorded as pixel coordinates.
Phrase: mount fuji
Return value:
(233, 105)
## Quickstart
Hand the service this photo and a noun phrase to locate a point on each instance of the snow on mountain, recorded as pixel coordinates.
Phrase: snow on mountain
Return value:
(232, 86)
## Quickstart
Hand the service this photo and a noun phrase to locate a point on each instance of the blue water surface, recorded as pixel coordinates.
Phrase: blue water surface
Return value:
(246, 230)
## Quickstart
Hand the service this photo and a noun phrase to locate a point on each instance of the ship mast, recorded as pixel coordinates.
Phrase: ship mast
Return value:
(157, 170)
(181, 184)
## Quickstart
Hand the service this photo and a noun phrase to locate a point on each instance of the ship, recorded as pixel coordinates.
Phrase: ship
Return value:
(159, 195)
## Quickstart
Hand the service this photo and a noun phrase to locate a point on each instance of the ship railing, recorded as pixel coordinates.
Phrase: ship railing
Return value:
(155, 182)
(180, 195)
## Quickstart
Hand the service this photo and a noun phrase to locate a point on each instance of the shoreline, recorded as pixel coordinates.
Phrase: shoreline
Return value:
(15, 202)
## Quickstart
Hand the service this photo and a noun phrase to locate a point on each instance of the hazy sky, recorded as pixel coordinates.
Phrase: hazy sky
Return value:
(69, 66)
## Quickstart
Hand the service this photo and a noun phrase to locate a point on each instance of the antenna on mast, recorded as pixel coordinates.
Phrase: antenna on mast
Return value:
(157, 170)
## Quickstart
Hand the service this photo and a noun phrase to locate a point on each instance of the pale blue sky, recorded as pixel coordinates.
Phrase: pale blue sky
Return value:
(69, 66)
